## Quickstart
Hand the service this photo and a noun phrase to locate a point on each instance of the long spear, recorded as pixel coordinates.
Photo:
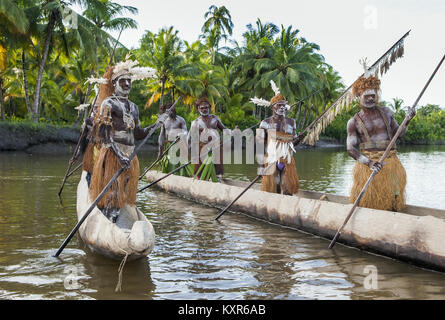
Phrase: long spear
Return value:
(84, 129)
(186, 164)
(259, 176)
(116, 175)
(389, 57)
(388, 149)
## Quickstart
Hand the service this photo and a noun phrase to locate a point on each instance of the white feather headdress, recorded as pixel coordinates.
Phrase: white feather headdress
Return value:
(275, 88)
(260, 102)
(129, 67)
(93, 80)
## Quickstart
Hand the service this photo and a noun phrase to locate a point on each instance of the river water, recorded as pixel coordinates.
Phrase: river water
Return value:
(194, 256)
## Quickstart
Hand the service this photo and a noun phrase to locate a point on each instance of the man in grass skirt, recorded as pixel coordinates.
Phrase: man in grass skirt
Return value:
(369, 134)
(279, 133)
(117, 127)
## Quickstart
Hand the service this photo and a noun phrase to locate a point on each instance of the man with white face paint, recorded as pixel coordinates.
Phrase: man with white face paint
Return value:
(117, 127)
(369, 134)
(207, 126)
(279, 132)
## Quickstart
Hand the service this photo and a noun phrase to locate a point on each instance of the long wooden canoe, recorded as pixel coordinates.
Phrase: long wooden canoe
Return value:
(132, 233)
(415, 235)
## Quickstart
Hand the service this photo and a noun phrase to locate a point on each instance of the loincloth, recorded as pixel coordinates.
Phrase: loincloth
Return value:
(387, 189)
(280, 149)
(123, 190)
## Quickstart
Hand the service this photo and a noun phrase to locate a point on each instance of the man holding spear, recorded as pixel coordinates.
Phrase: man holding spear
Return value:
(116, 127)
(279, 132)
(369, 134)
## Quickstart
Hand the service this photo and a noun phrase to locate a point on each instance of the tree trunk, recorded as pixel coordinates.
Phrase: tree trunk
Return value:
(36, 103)
(25, 84)
(162, 93)
(2, 103)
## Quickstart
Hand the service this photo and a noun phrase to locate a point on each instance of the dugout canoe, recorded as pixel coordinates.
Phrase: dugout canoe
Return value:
(415, 236)
(131, 235)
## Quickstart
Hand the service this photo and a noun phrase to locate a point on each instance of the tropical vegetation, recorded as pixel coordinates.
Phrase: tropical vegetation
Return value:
(48, 51)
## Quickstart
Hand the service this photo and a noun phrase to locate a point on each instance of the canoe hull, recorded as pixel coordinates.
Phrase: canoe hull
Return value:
(132, 235)
(406, 237)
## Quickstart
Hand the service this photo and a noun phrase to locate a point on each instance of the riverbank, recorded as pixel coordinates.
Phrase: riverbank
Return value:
(47, 138)
(41, 138)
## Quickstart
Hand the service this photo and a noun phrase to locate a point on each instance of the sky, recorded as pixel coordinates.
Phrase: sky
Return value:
(345, 30)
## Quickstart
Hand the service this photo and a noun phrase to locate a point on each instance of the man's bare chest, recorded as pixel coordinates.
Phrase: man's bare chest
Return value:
(373, 125)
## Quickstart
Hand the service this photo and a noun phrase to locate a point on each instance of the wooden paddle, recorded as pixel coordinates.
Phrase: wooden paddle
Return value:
(388, 149)
(158, 159)
(76, 152)
(116, 175)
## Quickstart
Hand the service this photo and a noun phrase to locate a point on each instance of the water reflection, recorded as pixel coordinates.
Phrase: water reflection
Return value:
(194, 256)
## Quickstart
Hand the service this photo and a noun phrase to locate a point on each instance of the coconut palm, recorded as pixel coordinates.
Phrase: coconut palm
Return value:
(106, 16)
(12, 17)
(218, 26)
(162, 51)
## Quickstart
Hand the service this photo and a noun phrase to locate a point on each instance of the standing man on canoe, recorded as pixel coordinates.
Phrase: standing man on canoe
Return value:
(207, 126)
(117, 128)
(369, 134)
(91, 143)
(279, 132)
(174, 127)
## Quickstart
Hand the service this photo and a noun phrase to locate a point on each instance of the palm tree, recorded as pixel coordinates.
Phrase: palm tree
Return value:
(106, 16)
(294, 67)
(162, 51)
(253, 36)
(12, 17)
(218, 26)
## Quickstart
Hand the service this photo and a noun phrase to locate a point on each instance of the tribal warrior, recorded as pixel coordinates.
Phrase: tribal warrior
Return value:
(174, 127)
(279, 132)
(207, 126)
(369, 133)
(117, 129)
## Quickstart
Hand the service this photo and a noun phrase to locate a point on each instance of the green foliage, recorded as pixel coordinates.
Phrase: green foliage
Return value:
(337, 129)
(427, 127)
(228, 76)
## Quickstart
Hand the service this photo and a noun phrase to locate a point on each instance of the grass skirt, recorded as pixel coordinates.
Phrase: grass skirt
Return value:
(289, 183)
(387, 189)
(123, 190)
(90, 157)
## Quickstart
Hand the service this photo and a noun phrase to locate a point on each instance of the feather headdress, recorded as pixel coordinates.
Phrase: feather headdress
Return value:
(260, 102)
(344, 101)
(93, 80)
(264, 103)
(129, 67)
(275, 88)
